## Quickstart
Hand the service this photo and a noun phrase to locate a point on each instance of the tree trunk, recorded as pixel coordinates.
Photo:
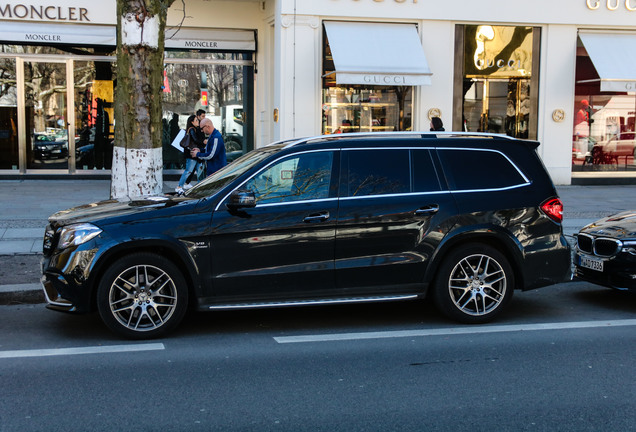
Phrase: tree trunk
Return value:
(137, 159)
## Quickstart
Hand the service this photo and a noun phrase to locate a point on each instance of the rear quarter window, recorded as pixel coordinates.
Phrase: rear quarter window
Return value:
(468, 169)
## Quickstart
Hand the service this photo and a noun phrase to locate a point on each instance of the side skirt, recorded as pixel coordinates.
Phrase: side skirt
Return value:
(309, 302)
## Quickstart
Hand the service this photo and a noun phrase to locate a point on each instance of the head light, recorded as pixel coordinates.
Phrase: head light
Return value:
(77, 234)
(629, 246)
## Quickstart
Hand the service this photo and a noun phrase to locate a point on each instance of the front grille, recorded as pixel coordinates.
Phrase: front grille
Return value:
(600, 246)
(606, 247)
(585, 243)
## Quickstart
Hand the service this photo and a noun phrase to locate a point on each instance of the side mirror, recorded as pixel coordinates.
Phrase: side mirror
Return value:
(241, 198)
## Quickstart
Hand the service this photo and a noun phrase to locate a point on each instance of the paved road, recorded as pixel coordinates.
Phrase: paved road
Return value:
(561, 359)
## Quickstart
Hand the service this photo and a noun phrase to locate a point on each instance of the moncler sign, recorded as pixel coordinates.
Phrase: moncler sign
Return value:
(43, 12)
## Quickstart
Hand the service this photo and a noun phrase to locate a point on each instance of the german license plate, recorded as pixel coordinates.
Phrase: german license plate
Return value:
(591, 263)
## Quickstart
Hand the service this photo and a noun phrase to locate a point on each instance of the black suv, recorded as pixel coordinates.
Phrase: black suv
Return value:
(323, 220)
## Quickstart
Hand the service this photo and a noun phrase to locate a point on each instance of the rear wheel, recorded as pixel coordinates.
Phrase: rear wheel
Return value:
(474, 284)
(142, 296)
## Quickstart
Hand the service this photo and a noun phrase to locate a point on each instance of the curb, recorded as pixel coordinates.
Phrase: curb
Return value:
(21, 294)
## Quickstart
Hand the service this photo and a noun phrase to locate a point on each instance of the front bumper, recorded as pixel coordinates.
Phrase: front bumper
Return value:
(65, 282)
(618, 272)
(54, 299)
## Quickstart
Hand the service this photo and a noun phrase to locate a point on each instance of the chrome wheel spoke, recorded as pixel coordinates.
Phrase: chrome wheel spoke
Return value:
(477, 284)
(143, 297)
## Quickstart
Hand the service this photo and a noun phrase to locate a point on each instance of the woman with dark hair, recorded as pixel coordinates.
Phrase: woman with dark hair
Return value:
(436, 124)
(192, 164)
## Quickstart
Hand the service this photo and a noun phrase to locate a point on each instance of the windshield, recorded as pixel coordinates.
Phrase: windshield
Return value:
(218, 180)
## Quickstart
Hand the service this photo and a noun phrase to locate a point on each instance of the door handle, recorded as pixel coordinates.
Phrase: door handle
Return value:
(317, 217)
(430, 209)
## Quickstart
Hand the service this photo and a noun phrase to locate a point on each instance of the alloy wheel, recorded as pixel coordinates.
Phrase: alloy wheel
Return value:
(477, 285)
(143, 298)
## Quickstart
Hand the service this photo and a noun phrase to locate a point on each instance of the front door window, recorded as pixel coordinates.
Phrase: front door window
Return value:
(298, 178)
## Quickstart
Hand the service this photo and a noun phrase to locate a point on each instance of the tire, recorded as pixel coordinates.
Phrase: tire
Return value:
(232, 145)
(474, 284)
(142, 296)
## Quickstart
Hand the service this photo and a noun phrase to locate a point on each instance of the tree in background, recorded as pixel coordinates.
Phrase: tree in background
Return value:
(137, 160)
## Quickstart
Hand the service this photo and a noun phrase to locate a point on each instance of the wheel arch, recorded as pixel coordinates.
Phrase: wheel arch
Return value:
(495, 237)
(174, 252)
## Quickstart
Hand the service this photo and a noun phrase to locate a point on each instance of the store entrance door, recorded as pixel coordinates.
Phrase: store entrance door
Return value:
(498, 106)
(46, 117)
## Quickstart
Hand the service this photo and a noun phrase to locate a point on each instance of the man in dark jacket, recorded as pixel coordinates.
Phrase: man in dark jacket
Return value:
(214, 153)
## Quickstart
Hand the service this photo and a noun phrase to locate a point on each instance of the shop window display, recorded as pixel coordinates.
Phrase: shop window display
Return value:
(358, 108)
(603, 129)
(216, 88)
(94, 114)
(48, 110)
(497, 83)
(8, 115)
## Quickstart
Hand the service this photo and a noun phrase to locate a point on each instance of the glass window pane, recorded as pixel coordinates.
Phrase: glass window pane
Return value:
(94, 114)
(497, 75)
(216, 89)
(495, 171)
(424, 175)
(298, 178)
(377, 172)
(8, 115)
(604, 123)
(45, 94)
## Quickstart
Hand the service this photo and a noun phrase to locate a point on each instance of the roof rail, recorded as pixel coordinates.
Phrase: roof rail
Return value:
(401, 134)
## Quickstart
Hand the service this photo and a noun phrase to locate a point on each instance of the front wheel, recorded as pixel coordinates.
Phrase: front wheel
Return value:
(142, 296)
(474, 284)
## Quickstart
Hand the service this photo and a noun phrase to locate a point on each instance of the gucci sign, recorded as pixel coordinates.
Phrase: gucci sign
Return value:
(611, 5)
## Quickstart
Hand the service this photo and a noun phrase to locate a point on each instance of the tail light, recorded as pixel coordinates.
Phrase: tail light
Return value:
(553, 208)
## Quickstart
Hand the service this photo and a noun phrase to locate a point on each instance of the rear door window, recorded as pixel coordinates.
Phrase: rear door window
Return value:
(375, 172)
(424, 174)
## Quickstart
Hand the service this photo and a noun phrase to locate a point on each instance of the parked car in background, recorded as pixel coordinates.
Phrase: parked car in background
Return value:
(46, 147)
(582, 150)
(606, 251)
(618, 149)
(348, 218)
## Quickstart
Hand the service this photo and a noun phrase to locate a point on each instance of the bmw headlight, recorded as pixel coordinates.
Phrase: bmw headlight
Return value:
(629, 246)
(77, 234)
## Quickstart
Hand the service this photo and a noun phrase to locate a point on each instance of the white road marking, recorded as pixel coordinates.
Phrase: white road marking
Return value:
(453, 331)
(82, 350)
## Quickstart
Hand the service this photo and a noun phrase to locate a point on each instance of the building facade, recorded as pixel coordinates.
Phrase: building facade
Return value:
(563, 73)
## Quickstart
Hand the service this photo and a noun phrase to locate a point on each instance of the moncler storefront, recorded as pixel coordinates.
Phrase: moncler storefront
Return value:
(563, 73)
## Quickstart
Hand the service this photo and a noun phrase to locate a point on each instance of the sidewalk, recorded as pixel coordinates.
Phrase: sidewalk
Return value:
(26, 205)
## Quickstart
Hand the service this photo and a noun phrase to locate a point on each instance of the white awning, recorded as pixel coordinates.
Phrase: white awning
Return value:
(614, 57)
(377, 54)
(46, 33)
(210, 39)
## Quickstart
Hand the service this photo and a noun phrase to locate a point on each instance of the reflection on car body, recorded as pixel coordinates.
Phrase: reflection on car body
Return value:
(606, 251)
(332, 219)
